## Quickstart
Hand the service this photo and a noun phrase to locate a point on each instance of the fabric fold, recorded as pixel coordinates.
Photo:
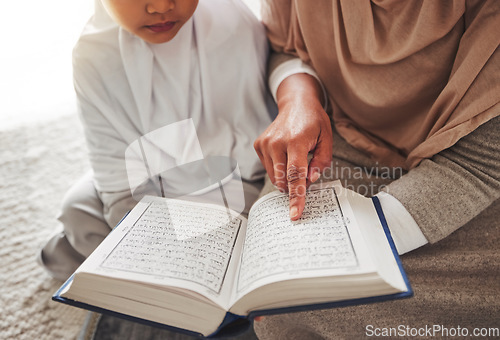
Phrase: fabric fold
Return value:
(405, 80)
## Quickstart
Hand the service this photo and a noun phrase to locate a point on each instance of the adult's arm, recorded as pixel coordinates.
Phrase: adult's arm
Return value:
(445, 192)
(467, 191)
(406, 233)
(442, 193)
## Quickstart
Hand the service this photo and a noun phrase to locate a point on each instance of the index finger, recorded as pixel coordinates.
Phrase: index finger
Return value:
(297, 181)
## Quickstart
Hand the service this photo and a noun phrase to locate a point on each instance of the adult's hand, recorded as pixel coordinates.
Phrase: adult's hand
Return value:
(301, 127)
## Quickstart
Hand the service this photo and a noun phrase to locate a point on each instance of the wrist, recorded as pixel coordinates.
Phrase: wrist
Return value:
(299, 88)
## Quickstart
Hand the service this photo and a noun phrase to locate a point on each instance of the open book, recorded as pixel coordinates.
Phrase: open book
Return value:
(199, 267)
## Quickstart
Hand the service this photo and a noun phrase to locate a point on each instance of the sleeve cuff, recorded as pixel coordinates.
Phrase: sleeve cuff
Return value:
(288, 68)
(405, 232)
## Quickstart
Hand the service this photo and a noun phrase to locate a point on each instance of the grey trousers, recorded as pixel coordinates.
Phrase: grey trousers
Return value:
(86, 222)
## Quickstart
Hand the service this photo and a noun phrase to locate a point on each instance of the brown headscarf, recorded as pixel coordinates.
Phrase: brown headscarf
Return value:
(405, 79)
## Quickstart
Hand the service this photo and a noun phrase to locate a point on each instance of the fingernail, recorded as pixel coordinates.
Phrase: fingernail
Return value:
(315, 176)
(294, 212)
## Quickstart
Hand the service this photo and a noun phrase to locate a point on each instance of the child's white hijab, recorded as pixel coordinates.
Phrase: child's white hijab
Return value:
(213, 71)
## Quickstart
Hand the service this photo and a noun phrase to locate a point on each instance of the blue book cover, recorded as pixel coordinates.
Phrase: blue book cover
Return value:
(234, 324)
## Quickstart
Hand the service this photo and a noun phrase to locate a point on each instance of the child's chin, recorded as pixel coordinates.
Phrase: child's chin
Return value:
(157, 38)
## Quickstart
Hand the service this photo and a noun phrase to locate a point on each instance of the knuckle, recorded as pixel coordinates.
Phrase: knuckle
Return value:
(296, 138)
(295, 174)
(275, 143)
(256, 144)
(261, 141)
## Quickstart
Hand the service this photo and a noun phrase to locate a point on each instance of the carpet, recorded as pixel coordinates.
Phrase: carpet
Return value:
(38, 163)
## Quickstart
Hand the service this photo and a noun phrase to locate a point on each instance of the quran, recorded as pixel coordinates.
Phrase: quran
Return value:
(204, 269)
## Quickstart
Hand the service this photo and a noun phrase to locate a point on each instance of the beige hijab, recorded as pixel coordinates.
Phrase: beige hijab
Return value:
(406, 79)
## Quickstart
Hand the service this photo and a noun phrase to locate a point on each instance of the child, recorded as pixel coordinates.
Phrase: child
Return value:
(141, 65)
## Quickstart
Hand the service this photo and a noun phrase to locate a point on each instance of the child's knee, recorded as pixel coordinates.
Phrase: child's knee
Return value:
(81, 201)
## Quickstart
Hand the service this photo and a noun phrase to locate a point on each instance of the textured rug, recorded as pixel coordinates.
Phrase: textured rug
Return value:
(38, 163)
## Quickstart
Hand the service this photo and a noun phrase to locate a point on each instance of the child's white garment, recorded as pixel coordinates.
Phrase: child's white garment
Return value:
(213, 72)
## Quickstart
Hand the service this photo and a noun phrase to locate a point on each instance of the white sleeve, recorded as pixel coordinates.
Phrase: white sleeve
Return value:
(405, 232)
(286, 69)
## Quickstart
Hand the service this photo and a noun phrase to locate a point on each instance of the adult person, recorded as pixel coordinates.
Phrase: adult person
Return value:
(409, 85)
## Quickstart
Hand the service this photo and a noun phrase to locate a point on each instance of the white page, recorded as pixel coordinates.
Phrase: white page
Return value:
(374, 235)
(175, 243)
(318, 244)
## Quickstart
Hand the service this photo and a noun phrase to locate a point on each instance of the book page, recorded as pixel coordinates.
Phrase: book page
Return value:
(274, 245)
(376, 240)
(176, 240)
